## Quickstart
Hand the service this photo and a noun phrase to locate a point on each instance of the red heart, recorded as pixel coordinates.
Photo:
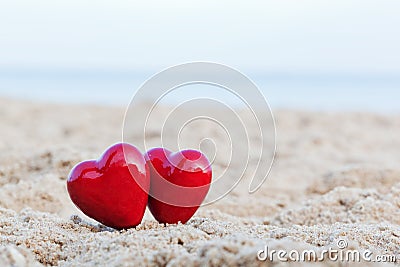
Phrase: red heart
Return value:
(179, 182)
(114, 189)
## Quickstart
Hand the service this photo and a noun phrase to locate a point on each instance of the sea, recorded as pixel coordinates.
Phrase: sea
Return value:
(314, 91)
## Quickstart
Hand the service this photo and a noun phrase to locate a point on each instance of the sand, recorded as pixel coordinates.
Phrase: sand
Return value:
(336, 176)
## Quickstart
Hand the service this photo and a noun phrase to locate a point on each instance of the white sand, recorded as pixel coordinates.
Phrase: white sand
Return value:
(335, 176)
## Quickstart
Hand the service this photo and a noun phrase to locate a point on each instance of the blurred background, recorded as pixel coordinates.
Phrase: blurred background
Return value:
(316, 55)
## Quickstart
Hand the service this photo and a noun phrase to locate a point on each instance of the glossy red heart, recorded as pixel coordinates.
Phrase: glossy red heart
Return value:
(179, 183)
(113, 189)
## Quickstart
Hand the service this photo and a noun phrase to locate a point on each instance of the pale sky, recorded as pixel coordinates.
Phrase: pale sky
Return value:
(292, 35)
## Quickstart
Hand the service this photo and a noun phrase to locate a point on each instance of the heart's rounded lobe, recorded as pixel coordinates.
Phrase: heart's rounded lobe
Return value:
(114, 189)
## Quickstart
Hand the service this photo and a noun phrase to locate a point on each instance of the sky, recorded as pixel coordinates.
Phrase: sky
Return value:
(301, 53)
(279, 36)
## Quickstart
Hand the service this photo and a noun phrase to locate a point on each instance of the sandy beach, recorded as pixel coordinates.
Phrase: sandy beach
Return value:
(336, 176)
